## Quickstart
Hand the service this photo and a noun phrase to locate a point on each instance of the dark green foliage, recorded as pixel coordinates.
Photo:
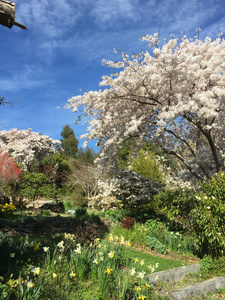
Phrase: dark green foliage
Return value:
(215, 266)
(209, 217)
(36, 185)
(154, 244)
(69, 142)
(134, 190)
(56, 167)
(176, 206)
(86, 155)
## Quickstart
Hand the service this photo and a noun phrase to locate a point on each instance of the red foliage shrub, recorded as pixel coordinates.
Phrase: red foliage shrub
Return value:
(9, 172)
(128, 222)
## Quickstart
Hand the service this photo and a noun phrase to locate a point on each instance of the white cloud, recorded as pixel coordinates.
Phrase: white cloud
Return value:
(114, 11)
(22, 79)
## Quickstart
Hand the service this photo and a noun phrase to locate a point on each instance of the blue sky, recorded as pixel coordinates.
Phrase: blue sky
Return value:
(61, 53)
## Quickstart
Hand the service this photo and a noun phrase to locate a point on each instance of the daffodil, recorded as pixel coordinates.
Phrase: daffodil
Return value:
(111, 254)
(142, 262)
(147, 286)
(132, 271)
(110, 237)
(108, 270)
(142, 297)
(136, 260)
(54, 275)
(78, 250)
(72, 274)
(95, 261)
(30, 284)
(45, 249)
(141, 275)
(138, 288)
(36, 270)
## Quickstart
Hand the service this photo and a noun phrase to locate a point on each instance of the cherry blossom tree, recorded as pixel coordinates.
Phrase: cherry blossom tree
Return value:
(173, 94)
(27, 147)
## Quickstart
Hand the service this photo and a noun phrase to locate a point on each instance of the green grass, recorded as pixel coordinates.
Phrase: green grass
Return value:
(164, 264)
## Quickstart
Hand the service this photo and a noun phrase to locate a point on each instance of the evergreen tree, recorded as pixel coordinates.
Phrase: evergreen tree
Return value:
(69, 142)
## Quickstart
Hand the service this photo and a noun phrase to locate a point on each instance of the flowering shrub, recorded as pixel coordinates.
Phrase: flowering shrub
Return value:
(102, 202)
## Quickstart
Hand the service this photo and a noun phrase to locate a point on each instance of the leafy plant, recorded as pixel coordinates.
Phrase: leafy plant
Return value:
(153, 243)
(128, 222)
(209, 218)
(36, 185)
(134, 190)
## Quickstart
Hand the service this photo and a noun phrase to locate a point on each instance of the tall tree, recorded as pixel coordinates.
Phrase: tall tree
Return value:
(69, 142)
(173, 95)
(27, 147)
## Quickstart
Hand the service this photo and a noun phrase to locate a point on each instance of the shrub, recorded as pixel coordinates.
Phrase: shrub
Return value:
(155, 244)
(176, 206)
(128, 222)
(145, 164)
(10, 175)
(209, 217)
(134, 190)
(36, 185)
(102, 202)
(213, 265)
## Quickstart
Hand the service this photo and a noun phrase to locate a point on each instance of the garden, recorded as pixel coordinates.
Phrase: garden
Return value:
(152, 199)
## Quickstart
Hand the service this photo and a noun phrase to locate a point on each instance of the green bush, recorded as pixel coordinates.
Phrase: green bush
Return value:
(153, 243)
(209, 217)
(36, 185)
(212, 265)
(145, 164)
(176, 206)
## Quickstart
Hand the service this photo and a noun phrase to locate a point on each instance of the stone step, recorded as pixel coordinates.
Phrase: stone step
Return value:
(173, 275)
(188, 292)
(198, 289)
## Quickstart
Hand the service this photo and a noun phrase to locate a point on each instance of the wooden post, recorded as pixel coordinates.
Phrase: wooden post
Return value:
(7, 14)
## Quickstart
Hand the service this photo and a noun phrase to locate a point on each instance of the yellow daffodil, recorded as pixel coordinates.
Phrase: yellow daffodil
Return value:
(54, 275)
(147, 286)
(30, 284)
(136, 260)
(142, 297)
(108, 270)
(138, 288)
